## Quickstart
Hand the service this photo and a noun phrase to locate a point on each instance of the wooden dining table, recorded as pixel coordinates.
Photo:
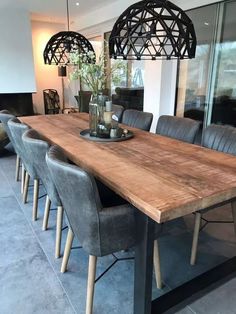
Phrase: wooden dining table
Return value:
(162, 177)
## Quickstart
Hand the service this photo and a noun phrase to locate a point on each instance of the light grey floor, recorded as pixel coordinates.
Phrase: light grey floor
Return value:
(30, 278)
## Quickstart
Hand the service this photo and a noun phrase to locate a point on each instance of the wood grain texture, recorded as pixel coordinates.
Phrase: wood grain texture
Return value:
(162, 177)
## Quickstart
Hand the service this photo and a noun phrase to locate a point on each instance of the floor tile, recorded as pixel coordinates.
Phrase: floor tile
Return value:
(5, 188)
(220, 300)
(30, 286)
(185, 310)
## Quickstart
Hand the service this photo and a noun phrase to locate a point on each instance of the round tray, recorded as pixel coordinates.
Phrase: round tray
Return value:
(85, 134)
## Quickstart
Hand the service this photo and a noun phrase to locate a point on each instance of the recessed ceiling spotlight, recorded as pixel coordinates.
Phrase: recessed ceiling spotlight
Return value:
(77, 3)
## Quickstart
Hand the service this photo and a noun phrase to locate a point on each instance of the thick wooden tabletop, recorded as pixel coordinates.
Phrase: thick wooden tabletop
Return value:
(162, 177)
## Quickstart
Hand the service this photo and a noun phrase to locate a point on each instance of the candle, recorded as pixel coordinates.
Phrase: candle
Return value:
(107, 116)
(108, 106)
(113, 133)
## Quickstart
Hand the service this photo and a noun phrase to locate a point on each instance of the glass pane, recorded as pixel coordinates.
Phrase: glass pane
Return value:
(137, 75)
(132, 75)
(193, 73)
(224, 98)
(128, 91)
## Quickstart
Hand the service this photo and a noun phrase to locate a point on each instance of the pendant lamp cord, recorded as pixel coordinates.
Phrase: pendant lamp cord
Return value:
(68, 16)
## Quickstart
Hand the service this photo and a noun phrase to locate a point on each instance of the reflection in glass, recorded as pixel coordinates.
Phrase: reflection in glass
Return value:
(133, 76)
(224, 97)
(193, 73)
(130, 90)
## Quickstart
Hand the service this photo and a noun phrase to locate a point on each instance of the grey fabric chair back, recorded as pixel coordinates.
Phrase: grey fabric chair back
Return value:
(221, 138)
(17, 129)
(79, 197)
(118, 111)
(101, 231)
(5, 116)
(137, 119)
(183, 129)
(37, 148)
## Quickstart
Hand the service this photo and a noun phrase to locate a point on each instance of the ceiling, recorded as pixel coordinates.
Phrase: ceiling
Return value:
(55, 10)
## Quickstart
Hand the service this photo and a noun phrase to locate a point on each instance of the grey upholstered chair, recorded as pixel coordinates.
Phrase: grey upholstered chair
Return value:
(183, 129)
(118, 111)
(4, 139)
(101, 231)
(37, 148)
(17, 129)
(221, 138)
(137, 119)
(5, 116)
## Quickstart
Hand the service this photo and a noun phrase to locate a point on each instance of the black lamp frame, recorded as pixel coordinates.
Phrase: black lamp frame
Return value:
(153, 29)
(60, 45)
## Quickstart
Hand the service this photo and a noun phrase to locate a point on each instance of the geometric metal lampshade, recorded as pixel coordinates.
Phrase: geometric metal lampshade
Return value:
(153, 29)
(62, 44)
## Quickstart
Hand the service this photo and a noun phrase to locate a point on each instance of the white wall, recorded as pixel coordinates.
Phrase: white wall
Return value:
(16, 65)
(160, 77)
(152, 96)
(46, 75)
(168, 87)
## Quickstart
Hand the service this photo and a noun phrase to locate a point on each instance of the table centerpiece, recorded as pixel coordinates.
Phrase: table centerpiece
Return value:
(94, 73)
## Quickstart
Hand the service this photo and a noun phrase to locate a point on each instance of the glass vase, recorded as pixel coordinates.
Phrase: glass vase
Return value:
(93, 115)
(103, 129)
(97, 124)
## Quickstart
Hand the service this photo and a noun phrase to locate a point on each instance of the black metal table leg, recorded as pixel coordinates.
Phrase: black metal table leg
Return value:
(143, 264)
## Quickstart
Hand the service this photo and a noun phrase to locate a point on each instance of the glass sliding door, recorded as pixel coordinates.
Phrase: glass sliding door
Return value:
(194, 74)
(206, 85)
(223, 100)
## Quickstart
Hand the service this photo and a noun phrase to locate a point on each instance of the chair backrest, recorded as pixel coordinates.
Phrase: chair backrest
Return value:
(118, 111)
(84, 99)
(80, 199)
(5, 116)
(183, 129)
(17, 129)
(221, 138)
(37, 148)
(137, 119)
(51, 101)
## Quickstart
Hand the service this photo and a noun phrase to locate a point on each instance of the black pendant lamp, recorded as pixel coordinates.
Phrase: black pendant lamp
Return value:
(60, 45)
(153, 29)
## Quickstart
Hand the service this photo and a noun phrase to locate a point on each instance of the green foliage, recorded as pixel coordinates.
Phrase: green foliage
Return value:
(94, 73)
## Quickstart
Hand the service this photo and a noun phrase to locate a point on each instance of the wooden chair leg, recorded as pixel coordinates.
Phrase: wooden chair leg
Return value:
(35, 200)
(26, 187)
(69, 241)
(91, 283)
(23, 174)
(233, 205)
(195, 238)
(157, 265)
(17, 167)
(46, 213)
(59, 231)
